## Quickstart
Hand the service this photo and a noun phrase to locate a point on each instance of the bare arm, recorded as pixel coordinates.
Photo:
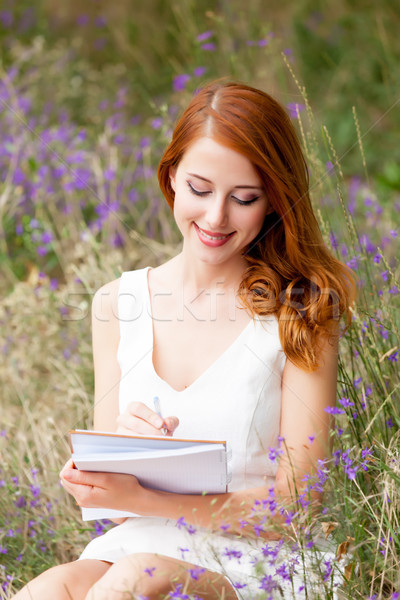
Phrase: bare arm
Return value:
(105, 339)
(305, 424)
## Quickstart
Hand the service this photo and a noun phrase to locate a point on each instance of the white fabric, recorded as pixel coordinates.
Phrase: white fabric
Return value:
(237, 399)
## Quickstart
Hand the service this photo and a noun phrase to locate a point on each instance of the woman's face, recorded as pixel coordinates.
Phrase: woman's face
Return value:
(220, 203)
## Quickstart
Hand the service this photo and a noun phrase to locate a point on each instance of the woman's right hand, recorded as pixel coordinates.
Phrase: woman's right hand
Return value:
(140, 419)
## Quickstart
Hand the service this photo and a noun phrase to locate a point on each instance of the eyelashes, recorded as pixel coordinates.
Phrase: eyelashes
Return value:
(196, 192)
(238, 200)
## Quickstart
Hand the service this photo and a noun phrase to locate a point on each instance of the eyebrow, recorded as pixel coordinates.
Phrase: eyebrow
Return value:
(237, 187)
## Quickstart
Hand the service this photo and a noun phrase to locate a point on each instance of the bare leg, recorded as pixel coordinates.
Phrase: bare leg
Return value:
(71, 581)
(153, 577)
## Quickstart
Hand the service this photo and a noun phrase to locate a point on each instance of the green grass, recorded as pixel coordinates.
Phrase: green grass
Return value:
(79, 203)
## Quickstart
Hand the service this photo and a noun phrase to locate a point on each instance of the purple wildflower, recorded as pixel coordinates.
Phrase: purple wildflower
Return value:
(239, 586)
(345, 402)
(283, 572)
(199, 71)
(333, 240)
(178, 594)
(202, 37)
(191, 529)
(334, 410)
(180, 81)
(196, 572)
(209, 47)
(294, 108)
(82, 20)
(109, 174)
(100, 21)
(35, 489)
(274, 453)
(268, 584)
(258, 527)
(20, 502)
(233, 554)
(157, 123)
(329, 568)
(6, 18)
(181, 522)
(336, 455)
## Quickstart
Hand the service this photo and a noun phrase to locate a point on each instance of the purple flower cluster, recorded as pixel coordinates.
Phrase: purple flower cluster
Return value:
(27, 527)
(349, 465)
(181, 523)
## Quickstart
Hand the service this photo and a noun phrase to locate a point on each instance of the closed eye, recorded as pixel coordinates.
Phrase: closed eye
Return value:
(242, 202)
(196, 192)
(238, 200)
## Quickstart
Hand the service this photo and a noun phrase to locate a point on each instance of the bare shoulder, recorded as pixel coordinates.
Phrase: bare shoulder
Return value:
(105, 303)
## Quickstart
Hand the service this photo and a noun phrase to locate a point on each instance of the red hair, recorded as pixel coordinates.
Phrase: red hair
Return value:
(290, 271)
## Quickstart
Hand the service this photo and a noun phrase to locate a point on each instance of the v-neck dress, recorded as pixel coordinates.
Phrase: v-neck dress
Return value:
(237, 399)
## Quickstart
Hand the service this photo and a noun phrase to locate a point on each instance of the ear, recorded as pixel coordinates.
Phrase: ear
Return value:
(172, 173)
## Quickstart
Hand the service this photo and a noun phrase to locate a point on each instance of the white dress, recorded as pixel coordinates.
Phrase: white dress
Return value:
(237, 399)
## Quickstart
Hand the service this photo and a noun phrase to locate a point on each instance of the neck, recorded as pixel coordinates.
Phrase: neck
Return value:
(198, 276)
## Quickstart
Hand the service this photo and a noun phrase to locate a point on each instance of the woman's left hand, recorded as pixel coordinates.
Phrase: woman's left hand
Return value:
(102, 490)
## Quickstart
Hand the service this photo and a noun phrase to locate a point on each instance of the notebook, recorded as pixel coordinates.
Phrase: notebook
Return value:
(182, 466)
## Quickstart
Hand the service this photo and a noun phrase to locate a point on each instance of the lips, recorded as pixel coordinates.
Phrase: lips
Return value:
(214, 235)
(212, 239)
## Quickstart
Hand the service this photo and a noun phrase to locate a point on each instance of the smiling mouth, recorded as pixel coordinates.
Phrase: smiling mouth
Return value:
(214, 236)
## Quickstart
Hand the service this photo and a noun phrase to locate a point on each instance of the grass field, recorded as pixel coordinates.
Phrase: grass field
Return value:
(87, 103)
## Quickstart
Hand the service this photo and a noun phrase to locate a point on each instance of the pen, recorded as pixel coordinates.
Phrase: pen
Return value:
(157, 408)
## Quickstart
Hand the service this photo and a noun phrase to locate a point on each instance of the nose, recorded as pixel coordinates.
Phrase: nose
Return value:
(217, 213)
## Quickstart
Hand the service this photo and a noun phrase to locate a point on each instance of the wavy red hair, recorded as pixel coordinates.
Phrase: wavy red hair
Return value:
(291, 273)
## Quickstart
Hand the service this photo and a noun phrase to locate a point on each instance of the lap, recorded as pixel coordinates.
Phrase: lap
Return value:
(155, 576)
(144, 574)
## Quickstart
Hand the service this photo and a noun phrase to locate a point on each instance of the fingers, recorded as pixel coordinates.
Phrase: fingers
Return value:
(142, 411)
(84, 486)
(68, 465)
(85, 478)
(130, 424)
(171, 424)
(140, 419)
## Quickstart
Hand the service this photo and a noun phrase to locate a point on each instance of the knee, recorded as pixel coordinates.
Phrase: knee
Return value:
(44, 586)
(132, 577)
(64, 582)
(149, 590)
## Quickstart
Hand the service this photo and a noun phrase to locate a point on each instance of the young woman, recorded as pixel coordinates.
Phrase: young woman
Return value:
(238, 336)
